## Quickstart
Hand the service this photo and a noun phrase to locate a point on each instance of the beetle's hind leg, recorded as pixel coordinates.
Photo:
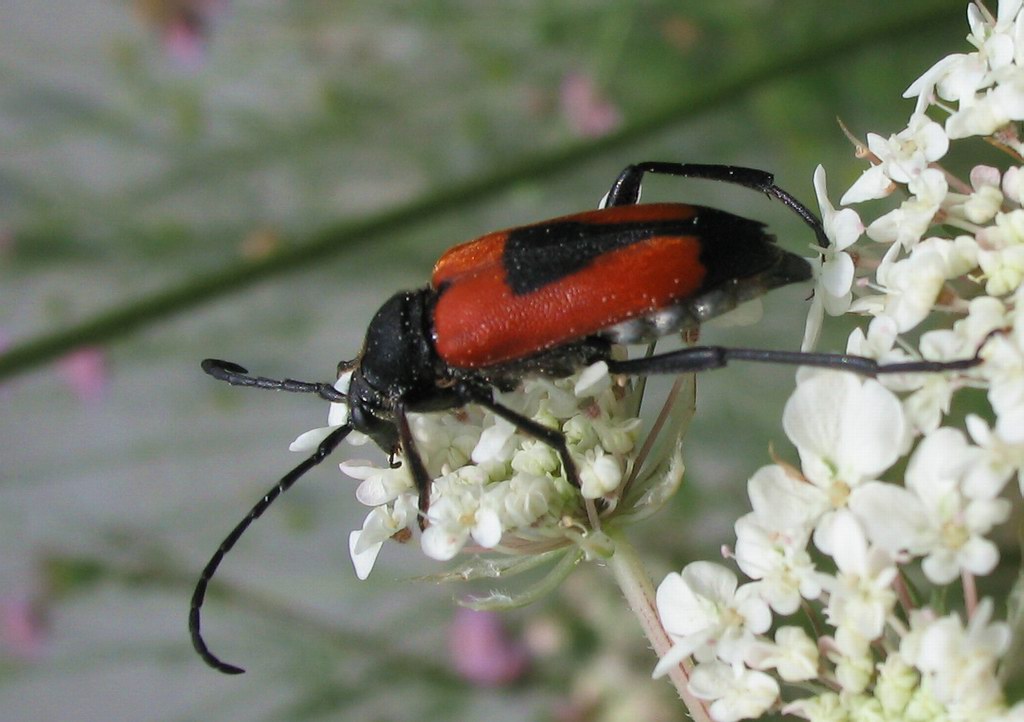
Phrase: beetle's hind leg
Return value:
(625, 191)
(705, 358)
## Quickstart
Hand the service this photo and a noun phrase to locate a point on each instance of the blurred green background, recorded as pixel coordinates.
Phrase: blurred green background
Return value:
(159, 157)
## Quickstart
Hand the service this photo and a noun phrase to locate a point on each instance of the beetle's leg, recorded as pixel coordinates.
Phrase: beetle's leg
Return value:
(239, 376)
(418, 470)
(704, 358)
(625, 191)
(323, 451)
(551, 437)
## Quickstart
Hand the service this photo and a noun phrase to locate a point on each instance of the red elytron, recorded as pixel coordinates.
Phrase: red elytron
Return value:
(480, 319)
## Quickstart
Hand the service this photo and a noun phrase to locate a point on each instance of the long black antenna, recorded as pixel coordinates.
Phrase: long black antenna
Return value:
(239, 376)
(323, 451)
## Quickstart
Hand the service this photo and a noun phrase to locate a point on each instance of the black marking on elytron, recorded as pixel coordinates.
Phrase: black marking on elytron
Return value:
(735, 248)
(739, 268)
(537, 255)
(732, 247)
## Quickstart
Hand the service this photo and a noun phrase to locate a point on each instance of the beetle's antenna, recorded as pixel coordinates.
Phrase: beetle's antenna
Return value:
(323, 451)
(239, 376)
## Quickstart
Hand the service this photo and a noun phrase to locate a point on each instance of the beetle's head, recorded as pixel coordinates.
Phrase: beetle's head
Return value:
(370, 411)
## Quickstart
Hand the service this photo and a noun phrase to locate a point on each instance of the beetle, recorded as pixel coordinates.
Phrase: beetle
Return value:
(548, 299)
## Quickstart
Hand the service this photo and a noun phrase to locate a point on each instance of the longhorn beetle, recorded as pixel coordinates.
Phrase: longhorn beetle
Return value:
(548, 299)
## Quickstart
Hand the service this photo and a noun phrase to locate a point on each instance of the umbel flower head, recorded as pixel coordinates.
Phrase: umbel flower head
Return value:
(497, 489)
(892, 500)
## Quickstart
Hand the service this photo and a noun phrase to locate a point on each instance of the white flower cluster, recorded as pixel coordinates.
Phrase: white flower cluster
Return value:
(494, 486)
(951, 252)
(849, 432)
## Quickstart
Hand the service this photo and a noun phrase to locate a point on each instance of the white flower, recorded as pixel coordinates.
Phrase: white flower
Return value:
(905, 155)
(879, 341)
(446, 441)
(1008, 230)
(380, 485)
(1003, 268)
(738, 693)
(496, 443)
(959, 662)
(785, 504)
(912, 286)
(985, 84)
(959, 77)
(525, 499)
(600, 474)
(932, 394)
(834, 279)
(901, 158)
(933, 516)
(995, 41)
(848, 430)
(793, 654)
(1011, 184)
(872, 184)
(990, 110)
(860, 595)
(593, 380)
(771, 542)
(460, 510)
(954, 261)
(1004, 356)
(986, 200)
(780, 564)
(1001, 457)
(908, 223)
(706, 615)
(382, 523)
(957, 522)
(489, 479)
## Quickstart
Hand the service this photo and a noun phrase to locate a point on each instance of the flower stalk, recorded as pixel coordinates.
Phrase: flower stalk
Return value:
(635, 583)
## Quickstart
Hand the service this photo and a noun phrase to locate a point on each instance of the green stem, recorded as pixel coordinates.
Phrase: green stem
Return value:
(333, 240)
(635, 583)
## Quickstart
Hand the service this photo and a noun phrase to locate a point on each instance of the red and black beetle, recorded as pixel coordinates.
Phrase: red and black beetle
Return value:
(548, 299)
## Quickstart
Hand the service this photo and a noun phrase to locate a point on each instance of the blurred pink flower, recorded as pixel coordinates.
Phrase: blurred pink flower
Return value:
(482, 651)
(184, 26)
(584, 107)
(22, 627)
(184, 43)
(85, 372)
